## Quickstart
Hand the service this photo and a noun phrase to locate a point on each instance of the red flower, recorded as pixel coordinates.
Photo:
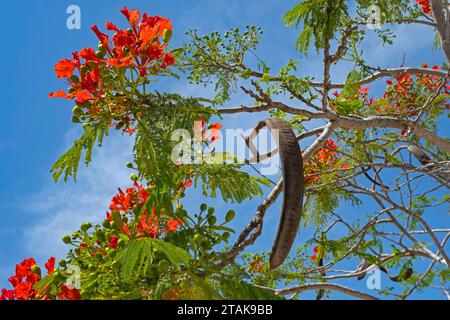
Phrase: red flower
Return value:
(83, 96)
(186, 183)
(24, 268)
(172, 294)
(113, 242)
(59, 94)
(50, 265)
(132, 16)
(425, 6)
(64, 68)
(172, 225)
(216, 126)
(69, 293)
(104, 39)
(313, 257)
(168, 60)
(24, 291)
(88, 54)
(7, 294)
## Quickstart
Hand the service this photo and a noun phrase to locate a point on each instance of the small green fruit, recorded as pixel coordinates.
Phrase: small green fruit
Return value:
(203, 207)
(134, 177)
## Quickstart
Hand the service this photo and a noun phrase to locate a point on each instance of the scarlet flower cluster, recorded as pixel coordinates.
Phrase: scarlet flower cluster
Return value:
(26, 276)
(426, 7)
(131, 202)
(100, 85)
(316, 251)
(402, 94)
(324, 159)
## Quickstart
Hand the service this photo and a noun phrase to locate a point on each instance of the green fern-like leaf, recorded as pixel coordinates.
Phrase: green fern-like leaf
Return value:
(234, 185)
(67, 164)
(241, 290)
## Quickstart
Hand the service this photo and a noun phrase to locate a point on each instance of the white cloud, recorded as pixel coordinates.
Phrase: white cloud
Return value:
(60, 208)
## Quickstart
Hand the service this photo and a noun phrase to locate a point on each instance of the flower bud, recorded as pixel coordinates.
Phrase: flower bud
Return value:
(36, 270)
(230, 215)
(134, 177)
(62, 263)
(66, 239)
(74, 79)
(77, 111)
(212, 220)
(85, 226)
(167, 35)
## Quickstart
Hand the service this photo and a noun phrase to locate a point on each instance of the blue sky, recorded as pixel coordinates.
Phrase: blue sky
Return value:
(35, 212)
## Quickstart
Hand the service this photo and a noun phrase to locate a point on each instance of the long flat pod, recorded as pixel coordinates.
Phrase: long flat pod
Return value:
(293, 189)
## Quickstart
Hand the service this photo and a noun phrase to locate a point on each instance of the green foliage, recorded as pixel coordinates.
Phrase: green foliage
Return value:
(213, 58)
(320, 19)
(240, 290)
(234, 185)
(67, 164)
(140, 254)
(162, 115)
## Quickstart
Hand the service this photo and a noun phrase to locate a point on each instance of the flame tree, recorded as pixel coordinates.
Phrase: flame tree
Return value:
(360, 149)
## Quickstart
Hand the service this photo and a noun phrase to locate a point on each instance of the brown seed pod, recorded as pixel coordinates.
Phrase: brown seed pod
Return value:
(293, 189)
